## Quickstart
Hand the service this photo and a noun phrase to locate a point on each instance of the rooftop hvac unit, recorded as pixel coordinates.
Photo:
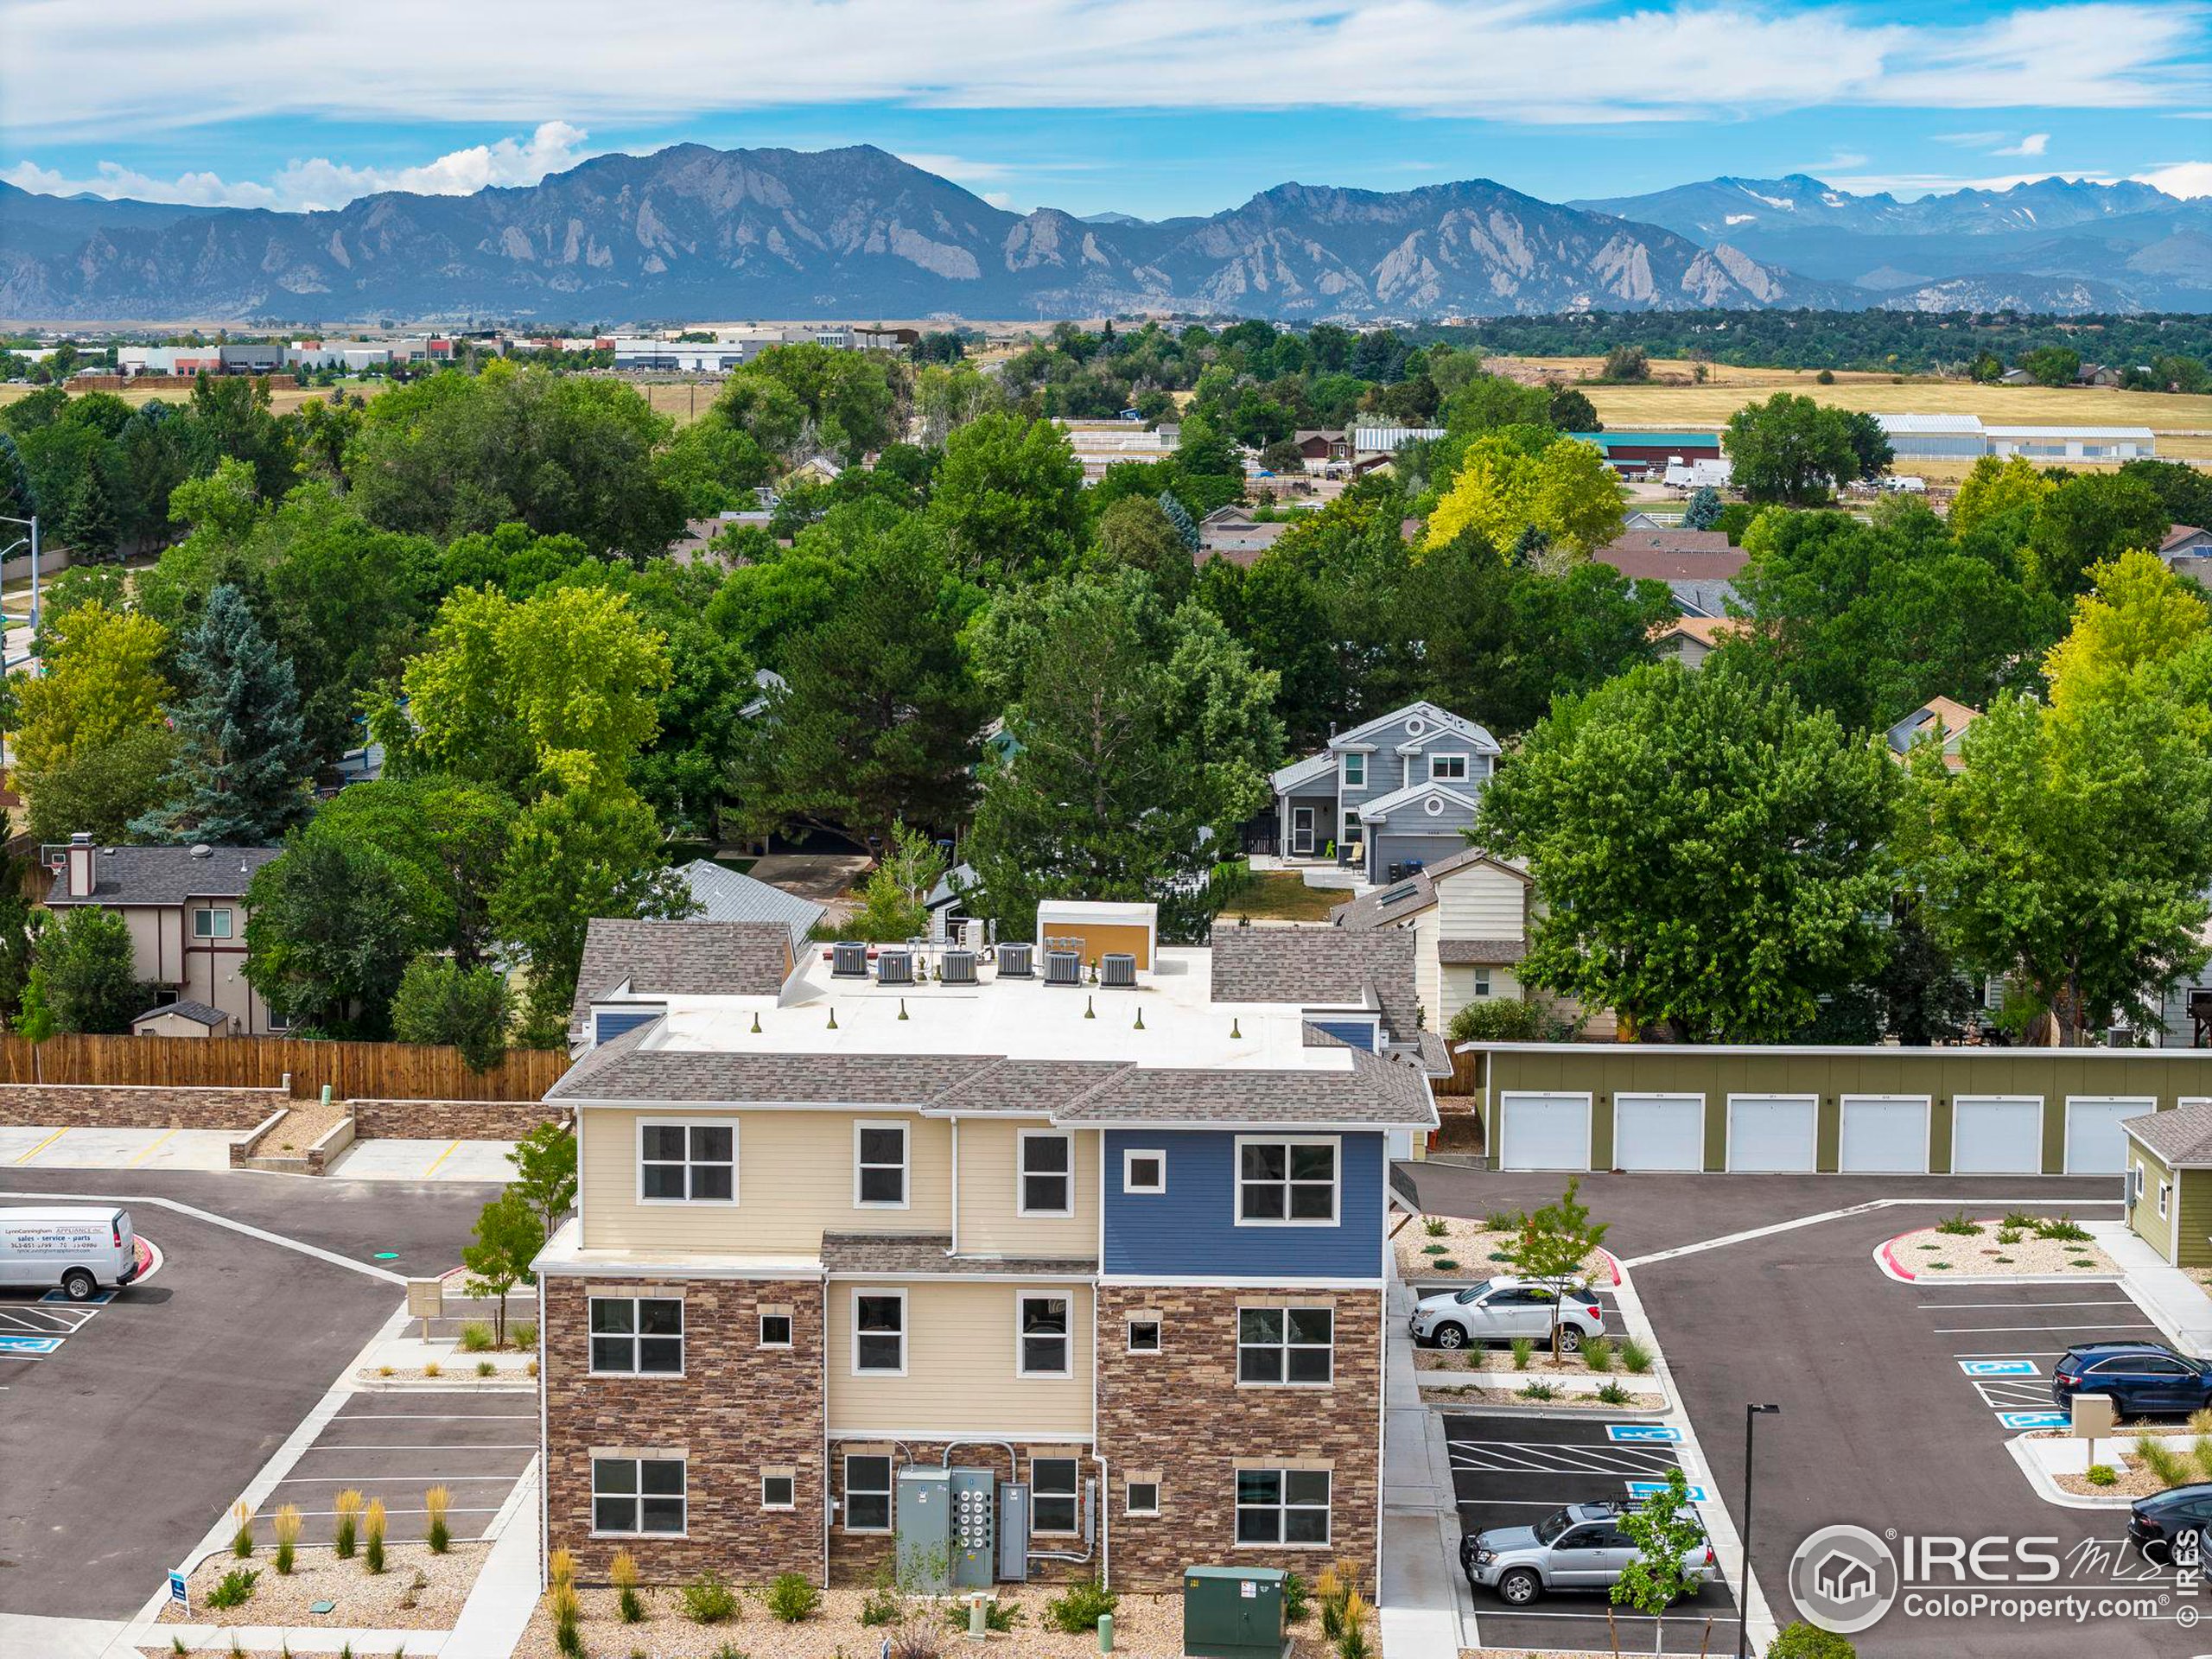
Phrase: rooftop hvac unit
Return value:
(1016, 962)
(849, 960)
(1117, 968)
(1063, 968)
(894, 966)
(957, 968)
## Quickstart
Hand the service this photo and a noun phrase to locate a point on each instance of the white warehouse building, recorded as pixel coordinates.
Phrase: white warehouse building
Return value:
(1963, 437)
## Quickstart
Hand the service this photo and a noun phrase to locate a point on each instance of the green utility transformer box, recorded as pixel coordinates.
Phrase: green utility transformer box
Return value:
(1232, 1612)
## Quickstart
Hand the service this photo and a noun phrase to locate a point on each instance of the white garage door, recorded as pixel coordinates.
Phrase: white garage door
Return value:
(2094, 1144)
(1545, 1132)
(1997, 1136)
(1774, 1132)
(1658, 1131)
(1883, 1135)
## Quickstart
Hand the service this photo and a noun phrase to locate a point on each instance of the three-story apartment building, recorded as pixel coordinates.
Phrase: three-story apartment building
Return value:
(1086, 1235)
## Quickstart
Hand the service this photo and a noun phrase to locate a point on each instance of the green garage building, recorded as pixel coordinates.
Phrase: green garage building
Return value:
(2169, 1183)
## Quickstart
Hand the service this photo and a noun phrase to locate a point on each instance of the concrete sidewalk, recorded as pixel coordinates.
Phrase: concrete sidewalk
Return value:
(1422, 1600)
(2176, 1302)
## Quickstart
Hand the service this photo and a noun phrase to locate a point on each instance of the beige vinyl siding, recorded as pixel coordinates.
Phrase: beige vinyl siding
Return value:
(990, 1195)
(1480, 902)
(1459, 990)
(960, 1366)
(794, 1183)
(1427, 987)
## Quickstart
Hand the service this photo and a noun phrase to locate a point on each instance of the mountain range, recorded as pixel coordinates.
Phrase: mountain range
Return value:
(691, 232)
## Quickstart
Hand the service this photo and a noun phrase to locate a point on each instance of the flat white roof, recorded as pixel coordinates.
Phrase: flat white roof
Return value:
(2140, 433)
(1099, 910)
(1967, 425)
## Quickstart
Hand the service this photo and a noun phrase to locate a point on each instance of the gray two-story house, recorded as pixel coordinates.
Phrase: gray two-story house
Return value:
(1396, 791)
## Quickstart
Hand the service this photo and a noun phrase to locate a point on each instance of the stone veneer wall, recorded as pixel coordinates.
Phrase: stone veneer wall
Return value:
(1181, 1412)
(855, 1558)
(451, 1120)
(737, 1407)
(131, 1106)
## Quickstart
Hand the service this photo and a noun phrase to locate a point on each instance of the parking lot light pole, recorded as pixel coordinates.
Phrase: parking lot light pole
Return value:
(1751, 1416)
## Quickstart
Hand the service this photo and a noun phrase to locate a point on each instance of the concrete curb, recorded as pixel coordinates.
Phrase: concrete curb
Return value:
(2048, 1489)
(1614, 1414)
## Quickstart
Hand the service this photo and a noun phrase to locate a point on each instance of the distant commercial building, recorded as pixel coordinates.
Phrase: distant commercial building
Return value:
(1964, 437)
(1648, 454)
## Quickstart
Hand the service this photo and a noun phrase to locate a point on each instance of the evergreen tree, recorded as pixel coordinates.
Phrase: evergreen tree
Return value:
(17, 499)
(88, 522)
(1179, 516)
(1703, 511)
(239, 777)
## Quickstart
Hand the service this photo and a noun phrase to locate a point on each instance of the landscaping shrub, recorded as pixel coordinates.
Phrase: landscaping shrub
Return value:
(286, 1526)
(522, 1334)
(1502, 1221)
(373, 1535)
(1294, 1593)
(485, 1368)
(1085, 1603)
(1600, 1354)
(1535, 1391)
(431, 1368)
(792, 1598)
(476, 1337)
(1957, 1223)
(998, 1615)
(2064, 1228)
(1524, 1350)
(437, 1534)
(883, 1604)
(1802, 1641)
(568, 1611)
(2199, 1449)
(2103, 1474)
(1338, 1589)
(709, 1600)
(1436, 1250)
(560, 1566)
(242, 1535)
(1352, 1642)
(2008, 1235)
(2154, 1455)
(1435, 1227)
(917, 1638)
(2019, 1221)
(1446, 1264)
(235, 1587)
(1635, 1357)
(349, 1514)
(622, 1574)
(1613, 1394)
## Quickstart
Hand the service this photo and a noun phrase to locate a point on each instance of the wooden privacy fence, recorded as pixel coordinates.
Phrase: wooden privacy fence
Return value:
(353, 1070)
(1466, 1076)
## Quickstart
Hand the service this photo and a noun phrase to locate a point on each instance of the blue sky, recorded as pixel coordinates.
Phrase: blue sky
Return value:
(1154, 107)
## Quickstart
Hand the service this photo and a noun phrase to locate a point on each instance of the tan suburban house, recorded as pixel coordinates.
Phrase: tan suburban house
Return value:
(186, 909)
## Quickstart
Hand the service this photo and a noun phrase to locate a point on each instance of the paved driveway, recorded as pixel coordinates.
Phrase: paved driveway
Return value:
(397, 1446)
(100, 1148)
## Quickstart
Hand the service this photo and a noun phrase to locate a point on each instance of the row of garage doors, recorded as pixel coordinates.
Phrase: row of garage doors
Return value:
(1879, 1134)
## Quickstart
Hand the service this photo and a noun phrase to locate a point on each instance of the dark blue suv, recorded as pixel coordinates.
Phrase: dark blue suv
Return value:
(2146, 1379)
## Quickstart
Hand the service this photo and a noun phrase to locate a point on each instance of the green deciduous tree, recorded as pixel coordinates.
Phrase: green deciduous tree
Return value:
(1009, 497)
(545, 1173)
(1503, 487)
(452, 835)
(1136, 533)
(1708, 851)
(333, 926)
(1993, 488)
(2051, 366)
(894, 903)
(439, 1001)
(1553, 1242)
(508, 1238)
(2089, 520)
(83, 961)
(1669, 1539)
(242, 768)
(99, 792)
(100, 678)
(1791, 450)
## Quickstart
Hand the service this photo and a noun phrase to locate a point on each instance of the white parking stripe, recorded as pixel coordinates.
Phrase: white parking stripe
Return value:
(1970, 1330)
(2017, 1353)
(2101, 1301)
(1679, 1621)
(441, 1477)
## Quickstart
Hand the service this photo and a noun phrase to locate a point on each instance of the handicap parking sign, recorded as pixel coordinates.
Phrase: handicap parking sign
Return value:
(2034, 1419)
(1661, 1432)
(1640, 1490)
(1998, 1367)
(28, 1344)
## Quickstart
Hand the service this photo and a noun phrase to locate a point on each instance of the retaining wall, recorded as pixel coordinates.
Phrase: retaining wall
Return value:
(126, 1106)
(451, 1120)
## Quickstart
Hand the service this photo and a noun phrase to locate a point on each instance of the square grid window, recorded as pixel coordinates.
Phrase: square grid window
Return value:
(1052, 1494)
(1047, 1173)
(1447, 768)
(879, 1164)
(1283, 1346)
(879, 1333)
(640, 1334)
(1144, 1171)
(694, 1163)
(636, 1495)
(1292, 1181)
(1282, 1506)
(779, 1489)
(1143, 1496)
(1144, 1336)
(1042, 1321)
(775, 1329)
(867, 1494)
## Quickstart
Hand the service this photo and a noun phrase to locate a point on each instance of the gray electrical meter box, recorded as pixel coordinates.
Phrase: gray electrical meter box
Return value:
(1013, 1532)
(924, 1527)
(974, 1563)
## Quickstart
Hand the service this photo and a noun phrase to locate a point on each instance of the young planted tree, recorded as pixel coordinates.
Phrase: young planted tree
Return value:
(1669, 1543)
(545, 1173)
(509, 1235)
(1555, 1241)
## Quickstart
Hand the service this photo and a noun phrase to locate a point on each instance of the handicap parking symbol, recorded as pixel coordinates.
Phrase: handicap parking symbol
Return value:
(34, 1345)
(1640, 1490)
(2034, 1419)
(1663, 1433)
(1998, 1367)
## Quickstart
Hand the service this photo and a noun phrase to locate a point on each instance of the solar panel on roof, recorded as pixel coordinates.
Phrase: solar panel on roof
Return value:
(1396, 894)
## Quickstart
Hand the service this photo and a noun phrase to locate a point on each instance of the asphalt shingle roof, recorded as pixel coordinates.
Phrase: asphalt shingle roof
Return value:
(1383, 1090)
(198, 1012)
(1029, 1087)
(2182, 1137)
(164, 875)
(620, 1069)
(894, 1254)
(1319, 965)
(681, 959)
(1480, 953)
(1383, 906)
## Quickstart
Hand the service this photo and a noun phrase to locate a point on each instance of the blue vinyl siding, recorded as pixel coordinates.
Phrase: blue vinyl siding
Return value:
(1190, 1230)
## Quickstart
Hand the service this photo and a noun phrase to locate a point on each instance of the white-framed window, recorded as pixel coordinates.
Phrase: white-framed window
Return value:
(1042, 1346)
(779, 1489)
(634, 1496)
(687, 1161)
(879, 1332)
(775, 1329)
(1481, 986)
(1286, 1347)
(636, 1335)
(1355, 770)
(210, 922)
(1282, 1506)
(2165, 1195)
(1047, 1173)
(1143, 1496)
(879, 1166)
(1053, 1489)
(1144, 1334)
(868, 1493)
(1355, 831)
(1447, 768)
(2135, 1188)
(1286, 1181)
(1144, 1170)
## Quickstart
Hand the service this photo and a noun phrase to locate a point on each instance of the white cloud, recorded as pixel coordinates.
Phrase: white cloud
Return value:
(322, 183)
(2034, 144)
(160, 68)
(959, 168)
(1909, 185)
(2180, 179)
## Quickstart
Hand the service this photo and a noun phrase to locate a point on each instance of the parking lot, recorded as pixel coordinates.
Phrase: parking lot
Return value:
(396, 1447)
(2004, 1339)
(1513, 1472)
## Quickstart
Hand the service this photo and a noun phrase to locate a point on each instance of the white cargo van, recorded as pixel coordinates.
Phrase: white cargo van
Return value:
(79, 1247)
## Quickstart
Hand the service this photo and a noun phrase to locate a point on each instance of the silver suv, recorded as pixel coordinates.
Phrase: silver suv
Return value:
(1498, 1310)
(1582, 1546)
